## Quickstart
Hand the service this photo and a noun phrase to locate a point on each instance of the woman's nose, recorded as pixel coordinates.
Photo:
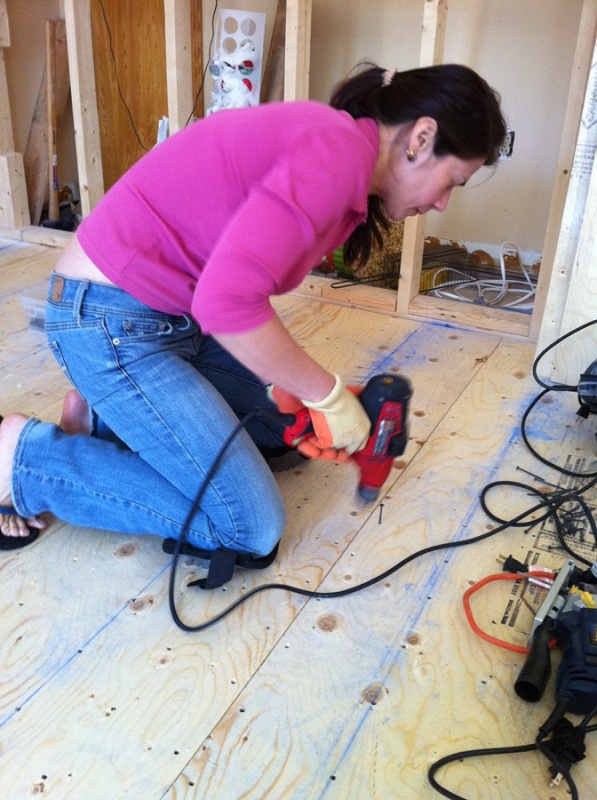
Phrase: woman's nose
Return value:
(442, 202)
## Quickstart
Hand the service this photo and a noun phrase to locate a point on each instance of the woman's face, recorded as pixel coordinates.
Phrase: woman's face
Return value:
(410, 187)
(424, 185)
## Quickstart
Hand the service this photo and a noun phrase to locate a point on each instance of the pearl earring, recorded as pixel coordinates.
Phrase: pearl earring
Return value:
(411, 155)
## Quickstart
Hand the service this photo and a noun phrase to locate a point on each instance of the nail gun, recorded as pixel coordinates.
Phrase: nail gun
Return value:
(385, 399)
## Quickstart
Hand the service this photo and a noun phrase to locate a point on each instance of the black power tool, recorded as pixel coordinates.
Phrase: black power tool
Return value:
(576, 632)
(587, 391)
(571, 615)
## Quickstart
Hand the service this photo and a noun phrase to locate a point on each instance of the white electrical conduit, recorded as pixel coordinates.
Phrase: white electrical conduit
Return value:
(490, 291)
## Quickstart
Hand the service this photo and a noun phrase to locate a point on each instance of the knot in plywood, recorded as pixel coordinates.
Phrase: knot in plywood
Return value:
(373, 694)
(141, 604)
(126, 550)
(327, 623)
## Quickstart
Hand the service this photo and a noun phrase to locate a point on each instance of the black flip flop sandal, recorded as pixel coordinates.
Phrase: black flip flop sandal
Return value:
(16, 542)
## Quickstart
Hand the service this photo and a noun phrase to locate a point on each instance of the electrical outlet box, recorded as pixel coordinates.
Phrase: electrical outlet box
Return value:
(507, 145)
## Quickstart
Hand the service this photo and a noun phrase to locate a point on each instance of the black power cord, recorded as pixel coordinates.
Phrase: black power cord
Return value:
(555, 510)
(558, 387)
(549, 504)
(462, 755)
(564, 749)
(310, 593)
(282, 586)
(547, 388)
(545, 504)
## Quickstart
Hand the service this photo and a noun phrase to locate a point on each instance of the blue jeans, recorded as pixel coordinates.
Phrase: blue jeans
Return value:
(157, 388)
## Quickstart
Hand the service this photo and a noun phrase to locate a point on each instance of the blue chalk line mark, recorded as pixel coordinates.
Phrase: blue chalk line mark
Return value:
(416, 353)
(58, 669)
(382, 363)
(391, 658)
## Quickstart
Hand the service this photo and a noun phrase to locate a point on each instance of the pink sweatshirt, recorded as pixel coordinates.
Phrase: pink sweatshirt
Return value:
(236, 208)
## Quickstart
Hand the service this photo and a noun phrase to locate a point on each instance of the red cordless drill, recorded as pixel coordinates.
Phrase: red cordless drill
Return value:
(385, 399)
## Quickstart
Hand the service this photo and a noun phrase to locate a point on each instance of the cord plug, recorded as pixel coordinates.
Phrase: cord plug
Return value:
(515, 567)
(512, 565)
(567, 746)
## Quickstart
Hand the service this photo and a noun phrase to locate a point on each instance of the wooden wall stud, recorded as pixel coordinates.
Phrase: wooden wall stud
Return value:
(14, 210)
(87, 139)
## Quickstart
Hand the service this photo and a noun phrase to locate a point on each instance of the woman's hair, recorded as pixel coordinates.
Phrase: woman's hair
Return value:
(470, 123)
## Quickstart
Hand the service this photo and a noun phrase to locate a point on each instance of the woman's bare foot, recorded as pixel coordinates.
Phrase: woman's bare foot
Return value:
(10, 430)
(75, 419)
(75, 414)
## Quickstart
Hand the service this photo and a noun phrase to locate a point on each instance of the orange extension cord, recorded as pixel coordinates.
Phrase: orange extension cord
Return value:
(502, 576)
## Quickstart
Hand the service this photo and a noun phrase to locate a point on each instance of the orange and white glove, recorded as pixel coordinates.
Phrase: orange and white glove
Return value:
(287, 403)
(340, 423)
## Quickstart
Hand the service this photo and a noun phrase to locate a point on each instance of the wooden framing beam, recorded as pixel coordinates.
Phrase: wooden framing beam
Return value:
(297, 49)
(4, 29)
(14, 211)
(580, 304)
(569, 192)
(571, 299)
(36, 152)
(7, 144)
(272, 86)
(52, 120)
(433, 36)
(179, 67)
(77, 15)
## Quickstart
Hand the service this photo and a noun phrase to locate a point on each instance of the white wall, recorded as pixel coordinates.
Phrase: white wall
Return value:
(523, 49)
(387, 32)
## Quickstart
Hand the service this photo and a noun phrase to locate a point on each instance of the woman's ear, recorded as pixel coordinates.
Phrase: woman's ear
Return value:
(422, 136)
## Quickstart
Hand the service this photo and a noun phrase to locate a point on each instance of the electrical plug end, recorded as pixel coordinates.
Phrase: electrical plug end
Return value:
(567, 747)
(512, 565)
(556, 780)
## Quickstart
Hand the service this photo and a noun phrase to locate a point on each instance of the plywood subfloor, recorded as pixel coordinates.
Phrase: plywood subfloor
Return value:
(350, 698)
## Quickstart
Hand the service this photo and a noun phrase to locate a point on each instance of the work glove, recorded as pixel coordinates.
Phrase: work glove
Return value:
(340, 425)
(339, 422)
